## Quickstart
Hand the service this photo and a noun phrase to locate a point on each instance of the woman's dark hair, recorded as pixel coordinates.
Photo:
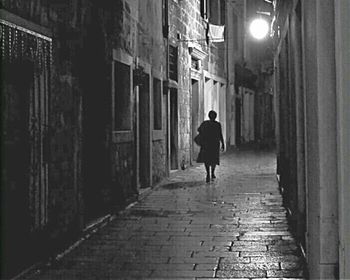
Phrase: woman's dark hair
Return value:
(212, 115)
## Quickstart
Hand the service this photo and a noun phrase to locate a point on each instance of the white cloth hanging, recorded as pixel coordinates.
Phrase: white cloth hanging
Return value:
(216, 33)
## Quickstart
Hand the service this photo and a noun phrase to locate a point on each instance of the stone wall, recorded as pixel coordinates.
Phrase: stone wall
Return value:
(309, 129)
(89, 173)
(56, 206)
(84, 35)
(158, 159)
(187, 27)
(123, 173)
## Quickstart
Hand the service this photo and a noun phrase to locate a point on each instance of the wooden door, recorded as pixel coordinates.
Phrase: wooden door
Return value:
(25, 89)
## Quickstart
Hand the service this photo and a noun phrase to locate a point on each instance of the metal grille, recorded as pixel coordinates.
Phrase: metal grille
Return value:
(173, 63)
(194, 63)
(19, 47)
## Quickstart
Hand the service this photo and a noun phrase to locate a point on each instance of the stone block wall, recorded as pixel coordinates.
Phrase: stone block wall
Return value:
(151, 49)
(123, 167)
(84, 35)
(65, 103)
(158, 160)
(56, 206)
(185, 19)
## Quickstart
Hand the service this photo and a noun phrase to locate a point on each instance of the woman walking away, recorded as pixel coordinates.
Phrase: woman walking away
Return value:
(211, 135)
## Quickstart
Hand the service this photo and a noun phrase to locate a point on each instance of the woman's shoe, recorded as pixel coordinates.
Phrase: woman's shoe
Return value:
(208, 179)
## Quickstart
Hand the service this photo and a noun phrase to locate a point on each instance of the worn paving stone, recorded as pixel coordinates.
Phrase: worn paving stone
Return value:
(220, 249)
(283, 248)
(234, 227)
(183, 273)
(200, 278)
(117, 274)
(150, 259)
(254, 243)
(292, 265)
(285, 273)
(249, 266)
(234, 259)
(211, 267)
(237, 248)
(263, 254)
(168, 266)
(225, 238)
(241, 273)
(256, 223)
(281, 258)
(195, 260)
(216, 254)
(259, 237)
(268, 233)
(60, 274)
(281, 278)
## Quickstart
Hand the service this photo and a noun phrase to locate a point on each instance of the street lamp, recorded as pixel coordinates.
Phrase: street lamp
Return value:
(259, 28)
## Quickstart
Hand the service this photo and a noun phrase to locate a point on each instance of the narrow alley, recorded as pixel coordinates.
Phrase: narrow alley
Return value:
(107, 110)
(232, 227)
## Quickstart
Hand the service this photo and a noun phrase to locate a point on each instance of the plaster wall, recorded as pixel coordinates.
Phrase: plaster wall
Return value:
(327, 138)
(320, 146)
(342, 42)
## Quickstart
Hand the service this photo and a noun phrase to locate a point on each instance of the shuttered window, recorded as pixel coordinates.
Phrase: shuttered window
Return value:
(122, 104)
(157, 104)
(173, 63)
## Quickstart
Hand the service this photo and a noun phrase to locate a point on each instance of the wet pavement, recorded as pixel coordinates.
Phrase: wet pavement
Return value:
(234, 227)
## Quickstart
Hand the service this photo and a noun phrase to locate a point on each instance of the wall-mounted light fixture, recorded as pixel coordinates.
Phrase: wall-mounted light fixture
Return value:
(259, 28)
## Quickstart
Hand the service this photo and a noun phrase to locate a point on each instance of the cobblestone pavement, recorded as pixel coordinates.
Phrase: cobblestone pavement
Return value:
(233, 227)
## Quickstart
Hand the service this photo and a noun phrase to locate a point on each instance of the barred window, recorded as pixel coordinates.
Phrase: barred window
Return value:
(157, 104)
(204, 9)
(173, 63)
(122, 104)
(216, 11)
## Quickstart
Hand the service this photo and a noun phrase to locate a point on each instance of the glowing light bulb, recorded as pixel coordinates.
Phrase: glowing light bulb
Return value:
(259, 28)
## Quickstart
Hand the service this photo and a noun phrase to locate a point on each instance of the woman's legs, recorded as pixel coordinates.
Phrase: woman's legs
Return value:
(213, 171)
(207, 168)
(208, 171)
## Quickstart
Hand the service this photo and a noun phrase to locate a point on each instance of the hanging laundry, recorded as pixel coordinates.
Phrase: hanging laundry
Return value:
(216, 33)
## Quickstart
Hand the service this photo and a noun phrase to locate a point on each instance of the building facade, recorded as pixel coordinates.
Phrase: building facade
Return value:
(312, 101)
(101, 101)
(197, 80)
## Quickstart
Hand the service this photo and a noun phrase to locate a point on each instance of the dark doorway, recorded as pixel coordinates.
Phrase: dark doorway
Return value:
(195, 117)
(96, 119)
(173, 130)
(166, 123)
(16, 85)
(144, 132)
(238, 121)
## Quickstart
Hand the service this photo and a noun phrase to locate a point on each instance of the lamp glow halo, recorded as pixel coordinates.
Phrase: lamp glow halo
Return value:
(259, 28)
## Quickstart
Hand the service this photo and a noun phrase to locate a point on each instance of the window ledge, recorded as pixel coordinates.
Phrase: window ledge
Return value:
(157, 135)
(122, 136)
(170, 84)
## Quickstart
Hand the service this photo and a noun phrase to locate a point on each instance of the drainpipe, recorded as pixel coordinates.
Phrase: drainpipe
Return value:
(166, 36)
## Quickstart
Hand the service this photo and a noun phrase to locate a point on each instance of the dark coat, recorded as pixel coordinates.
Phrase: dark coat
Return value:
(211, 135)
